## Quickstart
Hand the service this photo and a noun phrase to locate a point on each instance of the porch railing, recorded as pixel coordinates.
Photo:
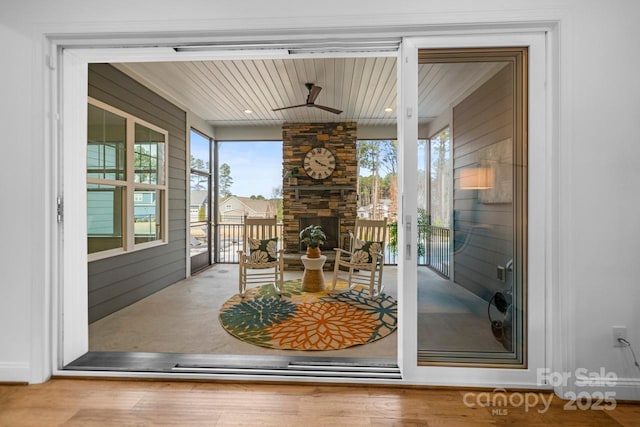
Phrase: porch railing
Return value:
(231, 238)
(436, 244)
(433, 246)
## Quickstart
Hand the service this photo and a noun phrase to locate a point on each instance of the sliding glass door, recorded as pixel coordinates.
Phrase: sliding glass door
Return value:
(471, 291)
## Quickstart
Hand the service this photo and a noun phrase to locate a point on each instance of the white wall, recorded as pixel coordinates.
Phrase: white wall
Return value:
(598, 229)
(19, 227)
(602, 179)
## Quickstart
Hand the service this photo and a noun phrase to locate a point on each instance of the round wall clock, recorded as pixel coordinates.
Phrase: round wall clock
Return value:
(319, 163)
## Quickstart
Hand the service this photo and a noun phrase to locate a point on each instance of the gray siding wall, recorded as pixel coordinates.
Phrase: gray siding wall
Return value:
(481, 120)
(118, 281)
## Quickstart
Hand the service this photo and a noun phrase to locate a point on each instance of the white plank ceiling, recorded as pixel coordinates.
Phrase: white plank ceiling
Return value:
(220, 91)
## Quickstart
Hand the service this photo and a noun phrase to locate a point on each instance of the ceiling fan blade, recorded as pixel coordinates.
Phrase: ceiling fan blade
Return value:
(313, 94)
(291, 106)
(329, 109)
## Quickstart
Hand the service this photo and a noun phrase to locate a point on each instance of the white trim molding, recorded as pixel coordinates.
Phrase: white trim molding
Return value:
(15, 372)
(539, 287)
(72, 287)
(601, 387)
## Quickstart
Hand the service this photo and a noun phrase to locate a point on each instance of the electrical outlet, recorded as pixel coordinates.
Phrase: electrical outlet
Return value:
(619, 332)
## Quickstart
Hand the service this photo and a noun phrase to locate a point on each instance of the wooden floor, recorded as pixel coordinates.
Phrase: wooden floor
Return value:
(82, 402)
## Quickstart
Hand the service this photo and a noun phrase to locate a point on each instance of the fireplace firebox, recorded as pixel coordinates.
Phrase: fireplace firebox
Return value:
(330, 225)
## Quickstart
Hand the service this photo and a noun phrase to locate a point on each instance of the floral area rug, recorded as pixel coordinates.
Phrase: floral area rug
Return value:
(308, 321)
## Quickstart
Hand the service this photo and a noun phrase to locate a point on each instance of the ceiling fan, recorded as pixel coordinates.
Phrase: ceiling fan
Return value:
(314, 91)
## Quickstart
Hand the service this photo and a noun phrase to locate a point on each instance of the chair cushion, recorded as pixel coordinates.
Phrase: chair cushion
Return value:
(265, 250)
(364, 251)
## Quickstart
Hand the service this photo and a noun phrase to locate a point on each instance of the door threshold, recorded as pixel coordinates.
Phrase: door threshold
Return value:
(241, 365)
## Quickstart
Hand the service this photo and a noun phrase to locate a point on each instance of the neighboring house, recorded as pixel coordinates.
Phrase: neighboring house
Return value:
(234, 208)
(197, 204)
(382, 210)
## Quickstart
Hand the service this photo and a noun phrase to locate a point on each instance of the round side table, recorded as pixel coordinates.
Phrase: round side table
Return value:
(313, 277)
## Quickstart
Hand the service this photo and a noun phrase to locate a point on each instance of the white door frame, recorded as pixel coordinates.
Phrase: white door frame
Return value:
(71, 328)
(538, 333)
(69, 320)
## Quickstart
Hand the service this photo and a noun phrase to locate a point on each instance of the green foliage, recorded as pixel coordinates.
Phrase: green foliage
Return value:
(386, 185)
(423, 217)
(292, 172)
(423, 224)
(393, 237)
(280, 214)
(225, 180)
(199, 164)
(313, 236)
(202, 214)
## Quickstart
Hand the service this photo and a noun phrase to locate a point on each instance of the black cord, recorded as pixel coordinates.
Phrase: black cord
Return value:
(628, 344)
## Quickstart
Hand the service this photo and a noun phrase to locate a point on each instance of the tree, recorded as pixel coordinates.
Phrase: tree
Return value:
(199, 164)
(378, 156)
(393, 194)
(225, 180)
(369, 157)
(440, 178)
(365, 190)
(276, 192)
(389, 156)
(198, 182)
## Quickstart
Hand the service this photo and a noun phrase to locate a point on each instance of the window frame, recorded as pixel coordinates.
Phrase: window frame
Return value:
(130, 187)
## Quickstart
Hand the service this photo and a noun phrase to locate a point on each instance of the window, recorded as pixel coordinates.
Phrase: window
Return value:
(126, 182)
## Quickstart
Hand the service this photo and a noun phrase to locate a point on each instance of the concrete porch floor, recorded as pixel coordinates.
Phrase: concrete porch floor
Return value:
(183, 318)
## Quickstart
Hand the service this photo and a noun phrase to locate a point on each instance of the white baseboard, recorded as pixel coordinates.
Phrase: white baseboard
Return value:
(14, 372)
(620, 389)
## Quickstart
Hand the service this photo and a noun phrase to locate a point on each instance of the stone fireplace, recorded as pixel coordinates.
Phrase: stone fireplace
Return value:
(330, 202)
(330, 225)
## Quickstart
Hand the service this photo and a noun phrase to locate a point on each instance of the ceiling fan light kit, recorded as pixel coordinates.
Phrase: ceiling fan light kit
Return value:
(314, 91)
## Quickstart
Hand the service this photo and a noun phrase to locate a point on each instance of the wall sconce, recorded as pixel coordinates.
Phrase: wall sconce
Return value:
(477, 178)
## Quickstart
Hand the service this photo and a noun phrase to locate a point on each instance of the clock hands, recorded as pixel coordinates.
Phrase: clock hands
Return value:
(319, 163)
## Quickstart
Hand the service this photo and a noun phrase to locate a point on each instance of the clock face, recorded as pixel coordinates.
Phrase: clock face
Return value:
(319, 163)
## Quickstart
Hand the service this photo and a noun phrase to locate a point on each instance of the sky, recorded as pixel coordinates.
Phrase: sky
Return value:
(256, 167)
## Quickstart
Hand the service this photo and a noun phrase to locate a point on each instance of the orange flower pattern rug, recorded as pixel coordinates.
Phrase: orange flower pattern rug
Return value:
(308, 321)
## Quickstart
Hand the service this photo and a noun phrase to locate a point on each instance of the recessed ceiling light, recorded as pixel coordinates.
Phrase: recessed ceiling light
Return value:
(247, 111)
(388, 109)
